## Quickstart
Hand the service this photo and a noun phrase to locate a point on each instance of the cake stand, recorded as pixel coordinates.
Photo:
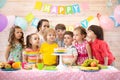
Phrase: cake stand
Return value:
(60, 66)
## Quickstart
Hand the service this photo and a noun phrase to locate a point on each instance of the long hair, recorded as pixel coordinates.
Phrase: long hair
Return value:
(40, 23)
(11, 37)
(28, 38)
(98, 31)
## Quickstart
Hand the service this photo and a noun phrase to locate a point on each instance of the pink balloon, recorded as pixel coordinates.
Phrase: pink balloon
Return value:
(106, 23)
(117, 13)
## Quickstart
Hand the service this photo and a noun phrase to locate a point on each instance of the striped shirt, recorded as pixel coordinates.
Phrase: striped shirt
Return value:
(31, 55)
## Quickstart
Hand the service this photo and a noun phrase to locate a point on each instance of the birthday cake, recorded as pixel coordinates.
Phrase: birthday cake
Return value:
(60, 50)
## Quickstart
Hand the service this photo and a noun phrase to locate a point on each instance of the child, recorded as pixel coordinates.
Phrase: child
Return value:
(71, 58)
(82, 46)
(60, 30)
(31, 52)
(47, 48)
(16, 44)
(99, 47)
(42, 25)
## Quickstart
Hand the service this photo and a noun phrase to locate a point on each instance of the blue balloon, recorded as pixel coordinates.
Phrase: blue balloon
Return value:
(2, 3)
(19, 21)
(115, 22)
(118, 1)
(84, 23)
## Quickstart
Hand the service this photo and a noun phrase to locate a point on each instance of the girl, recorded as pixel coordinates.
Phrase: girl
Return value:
(42, 25)
(99, 47)
(32, 50)
(47, 48)
(16, 44)
(81, 45)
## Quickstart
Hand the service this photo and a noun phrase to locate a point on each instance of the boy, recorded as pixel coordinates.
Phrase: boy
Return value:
(71, 55)
(60, 30)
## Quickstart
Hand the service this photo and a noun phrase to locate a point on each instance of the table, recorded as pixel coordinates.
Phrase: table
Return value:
(35, 74)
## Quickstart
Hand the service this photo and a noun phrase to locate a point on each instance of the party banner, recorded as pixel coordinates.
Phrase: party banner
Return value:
(70, 9)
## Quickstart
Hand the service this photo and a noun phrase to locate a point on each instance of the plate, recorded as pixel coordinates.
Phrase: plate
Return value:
(10, 69)
(59, 52)
(90, 70)
(50, 68)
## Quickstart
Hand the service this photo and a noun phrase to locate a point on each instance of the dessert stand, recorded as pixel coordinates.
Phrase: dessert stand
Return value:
(60, 66)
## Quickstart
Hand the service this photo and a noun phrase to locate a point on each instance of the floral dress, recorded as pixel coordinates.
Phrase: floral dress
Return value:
(16, 53)
(82, 52)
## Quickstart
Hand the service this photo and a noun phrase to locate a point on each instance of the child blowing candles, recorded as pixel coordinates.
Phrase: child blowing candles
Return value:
(31, 53)
(100, 48)
(82, 46)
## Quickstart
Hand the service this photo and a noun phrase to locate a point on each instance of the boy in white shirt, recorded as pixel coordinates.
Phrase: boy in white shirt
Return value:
(71, 56)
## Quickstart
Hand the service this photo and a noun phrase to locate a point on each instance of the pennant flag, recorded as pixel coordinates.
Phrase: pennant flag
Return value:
(38, 5)
(29, 17)
(84, 23)
(76, 8)
(69, 10)
(61, 9)
(90, 18)
(35, 22)
(46, 8)
(54, 9)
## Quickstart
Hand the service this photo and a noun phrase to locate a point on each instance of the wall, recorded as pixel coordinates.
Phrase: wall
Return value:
(23, 7)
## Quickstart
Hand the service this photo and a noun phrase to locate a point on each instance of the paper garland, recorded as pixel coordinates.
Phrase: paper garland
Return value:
(75, 8)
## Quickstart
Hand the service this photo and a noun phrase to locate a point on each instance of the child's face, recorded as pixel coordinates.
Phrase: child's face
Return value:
(44, 26)
(78, 36)
(68, 40)
(34, 40)
(60, 33)
(90, 34)
(51, 37)
(18, 33)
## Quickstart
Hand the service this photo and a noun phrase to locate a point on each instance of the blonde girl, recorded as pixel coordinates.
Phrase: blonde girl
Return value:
(47, 48)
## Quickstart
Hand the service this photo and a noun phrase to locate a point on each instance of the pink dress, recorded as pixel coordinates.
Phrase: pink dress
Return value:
(82, 52)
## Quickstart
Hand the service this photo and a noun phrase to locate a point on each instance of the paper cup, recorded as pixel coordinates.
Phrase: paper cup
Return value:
(40, 66)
